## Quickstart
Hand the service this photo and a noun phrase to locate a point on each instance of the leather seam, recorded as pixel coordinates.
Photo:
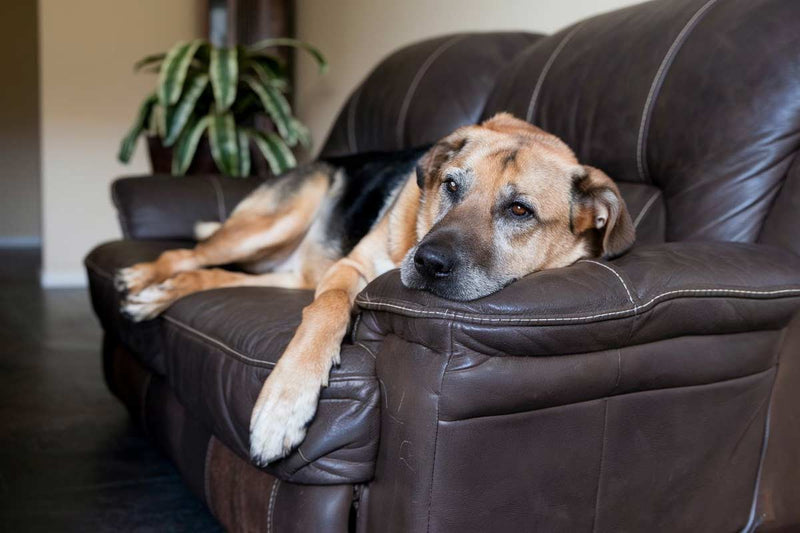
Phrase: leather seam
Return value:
(602, 464)
(415, 312)
(613, 271)
(256, 362)
(271, 510)
(658, 82)
(436, 433)
(546, 69)
(631, 393)
(221, 211)
(364, 346)
(207, 473)
(415, 81)
(753, 519)
(645, 209)
(217, 342)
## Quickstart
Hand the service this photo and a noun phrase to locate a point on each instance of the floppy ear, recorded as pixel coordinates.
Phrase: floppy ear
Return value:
(438, 155)
(597, 205)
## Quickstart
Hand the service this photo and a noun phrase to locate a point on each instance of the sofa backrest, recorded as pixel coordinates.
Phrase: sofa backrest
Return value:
(422, 92)
(698, 99)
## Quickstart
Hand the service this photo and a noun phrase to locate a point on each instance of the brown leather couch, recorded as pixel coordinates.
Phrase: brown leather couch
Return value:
(656, 392)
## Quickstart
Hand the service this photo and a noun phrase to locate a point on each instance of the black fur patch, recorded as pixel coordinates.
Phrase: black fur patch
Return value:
(369, 180)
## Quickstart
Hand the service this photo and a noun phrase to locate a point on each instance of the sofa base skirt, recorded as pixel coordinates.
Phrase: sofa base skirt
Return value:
(239, 495)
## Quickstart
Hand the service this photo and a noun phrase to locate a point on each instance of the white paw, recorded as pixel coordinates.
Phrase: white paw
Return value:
(132, 279)
(285, 406)
(148, 303)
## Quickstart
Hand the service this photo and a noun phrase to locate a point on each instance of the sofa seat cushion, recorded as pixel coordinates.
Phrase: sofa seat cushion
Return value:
(142, 339)
(221, 345)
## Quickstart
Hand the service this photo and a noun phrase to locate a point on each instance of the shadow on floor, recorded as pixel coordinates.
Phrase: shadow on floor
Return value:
(70, 457)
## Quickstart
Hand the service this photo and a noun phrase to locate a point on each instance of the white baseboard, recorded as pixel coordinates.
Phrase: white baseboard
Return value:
(27, 241)
(62, 279)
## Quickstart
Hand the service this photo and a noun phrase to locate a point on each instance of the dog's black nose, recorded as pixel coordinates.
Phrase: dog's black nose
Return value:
(434, 260)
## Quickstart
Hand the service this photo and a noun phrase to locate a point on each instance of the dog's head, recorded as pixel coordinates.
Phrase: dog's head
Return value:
(503, 199)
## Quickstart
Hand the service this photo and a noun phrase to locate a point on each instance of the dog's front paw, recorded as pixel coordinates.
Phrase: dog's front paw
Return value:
(285, 406)
(134, 279)
(150, 302)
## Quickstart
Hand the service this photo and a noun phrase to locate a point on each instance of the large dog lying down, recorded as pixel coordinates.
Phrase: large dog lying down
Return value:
(485, 206)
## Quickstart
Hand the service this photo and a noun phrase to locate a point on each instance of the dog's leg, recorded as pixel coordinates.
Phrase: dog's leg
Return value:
(288, 400)
(263, 223)
(150, 302)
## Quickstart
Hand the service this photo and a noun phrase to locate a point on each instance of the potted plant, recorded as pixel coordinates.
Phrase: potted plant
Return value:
(216, 93)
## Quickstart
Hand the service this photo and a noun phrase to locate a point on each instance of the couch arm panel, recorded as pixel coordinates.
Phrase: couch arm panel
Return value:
(167, 207)
(578, 394)
(652, 293)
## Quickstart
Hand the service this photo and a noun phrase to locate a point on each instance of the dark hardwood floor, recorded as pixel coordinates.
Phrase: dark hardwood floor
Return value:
(70, 457)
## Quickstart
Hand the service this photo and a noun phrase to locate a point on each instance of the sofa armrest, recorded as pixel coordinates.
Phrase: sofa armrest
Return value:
(593, 380)
(651, 293)
(167, 207)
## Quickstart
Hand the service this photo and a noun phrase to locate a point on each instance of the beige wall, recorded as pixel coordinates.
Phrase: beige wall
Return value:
(89, 96)
(19, 124)
(356, 34)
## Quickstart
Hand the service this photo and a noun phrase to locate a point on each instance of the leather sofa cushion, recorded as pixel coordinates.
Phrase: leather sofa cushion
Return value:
(142, 339)
(216, 348)
(221, 345)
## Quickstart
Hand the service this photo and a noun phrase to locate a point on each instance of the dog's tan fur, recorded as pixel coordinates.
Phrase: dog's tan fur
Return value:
(501, 155)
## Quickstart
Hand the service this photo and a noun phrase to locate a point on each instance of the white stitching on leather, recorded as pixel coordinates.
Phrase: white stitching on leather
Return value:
(302, 455)
(546, 69)
(217, 342)
(645, 209)
(378, 305)
(607, 267)
(658, 81)
(352, 141)
(272, 496)
(221, 211)
(401, 120)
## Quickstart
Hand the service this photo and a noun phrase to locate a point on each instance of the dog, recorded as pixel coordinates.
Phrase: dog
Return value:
(481, 208)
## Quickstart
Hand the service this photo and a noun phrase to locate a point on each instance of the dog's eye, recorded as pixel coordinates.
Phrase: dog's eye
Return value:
(451, 185)
(519, 210)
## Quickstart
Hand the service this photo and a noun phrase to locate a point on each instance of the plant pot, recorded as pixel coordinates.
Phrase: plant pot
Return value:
(203, 162)
(161, 158)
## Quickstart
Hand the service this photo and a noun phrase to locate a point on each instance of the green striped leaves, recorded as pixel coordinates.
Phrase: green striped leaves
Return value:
(142, 120)
(284, 41)
(274, 150)
(221, 93)
(179, 115)
(276, 106)
(224, 142)
(230, 146)
(186, 147)
(147, 61)
(174, 69)
(224, 72)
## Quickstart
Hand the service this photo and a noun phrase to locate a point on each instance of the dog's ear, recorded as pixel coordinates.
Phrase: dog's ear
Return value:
(438, 155)
(598, 206)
